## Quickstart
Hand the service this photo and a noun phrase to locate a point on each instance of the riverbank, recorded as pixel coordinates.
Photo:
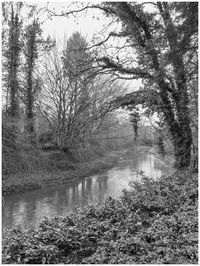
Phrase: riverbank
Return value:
(156, 222)
(34, 180)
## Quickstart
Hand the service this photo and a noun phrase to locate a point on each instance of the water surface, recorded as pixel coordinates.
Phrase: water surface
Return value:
(28, 208)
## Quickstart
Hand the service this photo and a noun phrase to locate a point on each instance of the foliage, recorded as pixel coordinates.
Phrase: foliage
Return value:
(31, 47)
(11, 55)
(22, 44)
(28, 168)
(164, 45)
(155, 222)
(45, 137)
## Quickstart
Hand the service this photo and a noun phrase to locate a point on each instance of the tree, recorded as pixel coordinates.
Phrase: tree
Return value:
(74, 107)
(134, 118)
(78, 68)
(32, 32)
(161, 147)
(160, 41)
(11, 14)
(159, 46)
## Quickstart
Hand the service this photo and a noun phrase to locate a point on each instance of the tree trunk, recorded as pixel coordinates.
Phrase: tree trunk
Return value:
(182, 151)
(13, 63)
(29, 108)
(31, 57)
(182, 136)
(179, 127)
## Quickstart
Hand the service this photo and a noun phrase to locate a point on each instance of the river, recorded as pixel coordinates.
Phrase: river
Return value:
(28, 208)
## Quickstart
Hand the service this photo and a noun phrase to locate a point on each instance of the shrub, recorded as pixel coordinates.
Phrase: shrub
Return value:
(155, 222)
(45, 137)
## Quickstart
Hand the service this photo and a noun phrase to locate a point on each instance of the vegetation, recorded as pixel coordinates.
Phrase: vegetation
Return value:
(55, 169)
(66, 109)
(155, 222)
(27, 167)
(165, 58)
(71, 112)
(74, 92)
(161, 148)
(12, 55)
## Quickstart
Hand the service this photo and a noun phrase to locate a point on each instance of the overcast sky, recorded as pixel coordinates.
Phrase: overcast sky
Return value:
(87, 23)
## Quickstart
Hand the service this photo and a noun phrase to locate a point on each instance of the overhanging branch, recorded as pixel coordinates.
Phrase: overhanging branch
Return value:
(135, 72)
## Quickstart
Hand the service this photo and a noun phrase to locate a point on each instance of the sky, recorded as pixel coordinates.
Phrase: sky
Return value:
(88, 23)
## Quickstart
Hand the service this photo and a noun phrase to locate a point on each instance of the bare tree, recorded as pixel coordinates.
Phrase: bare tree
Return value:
(74, 120)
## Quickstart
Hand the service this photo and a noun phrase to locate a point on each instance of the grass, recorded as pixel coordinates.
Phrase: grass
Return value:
(61, 171)
(156, 222)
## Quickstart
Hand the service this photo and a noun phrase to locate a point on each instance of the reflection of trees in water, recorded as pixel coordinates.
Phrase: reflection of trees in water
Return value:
(148, 164)
(75, 197)
(66, 198)
(47, 204)
(28, 208)
(21, 214)
(82, 193)
(83, 188)
(70, 193)
(31, 212)
(102, 181)
(89, 189)
(102, 186)
(18, 211)
(7, 214)
(89, 194)
(58, 201)
(31, 207)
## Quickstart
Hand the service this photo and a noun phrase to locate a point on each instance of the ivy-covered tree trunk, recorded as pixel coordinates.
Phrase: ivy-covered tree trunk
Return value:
(182, 136)
(31, 56)
(13, 62)
(29, 104)
(179, 125)
(134, 118)
(11, 51)
(160, 46)
(161, 147)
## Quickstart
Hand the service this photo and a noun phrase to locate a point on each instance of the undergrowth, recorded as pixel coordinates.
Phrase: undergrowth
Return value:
(155, 222)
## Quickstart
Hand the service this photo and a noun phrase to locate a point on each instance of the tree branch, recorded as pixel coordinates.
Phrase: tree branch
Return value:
(136, 72)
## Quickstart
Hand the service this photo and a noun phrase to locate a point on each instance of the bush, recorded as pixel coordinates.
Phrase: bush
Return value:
(45, 137)
(155, 222)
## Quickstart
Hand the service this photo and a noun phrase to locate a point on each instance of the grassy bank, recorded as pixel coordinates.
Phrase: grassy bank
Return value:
(155, 222)
(57, 174)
